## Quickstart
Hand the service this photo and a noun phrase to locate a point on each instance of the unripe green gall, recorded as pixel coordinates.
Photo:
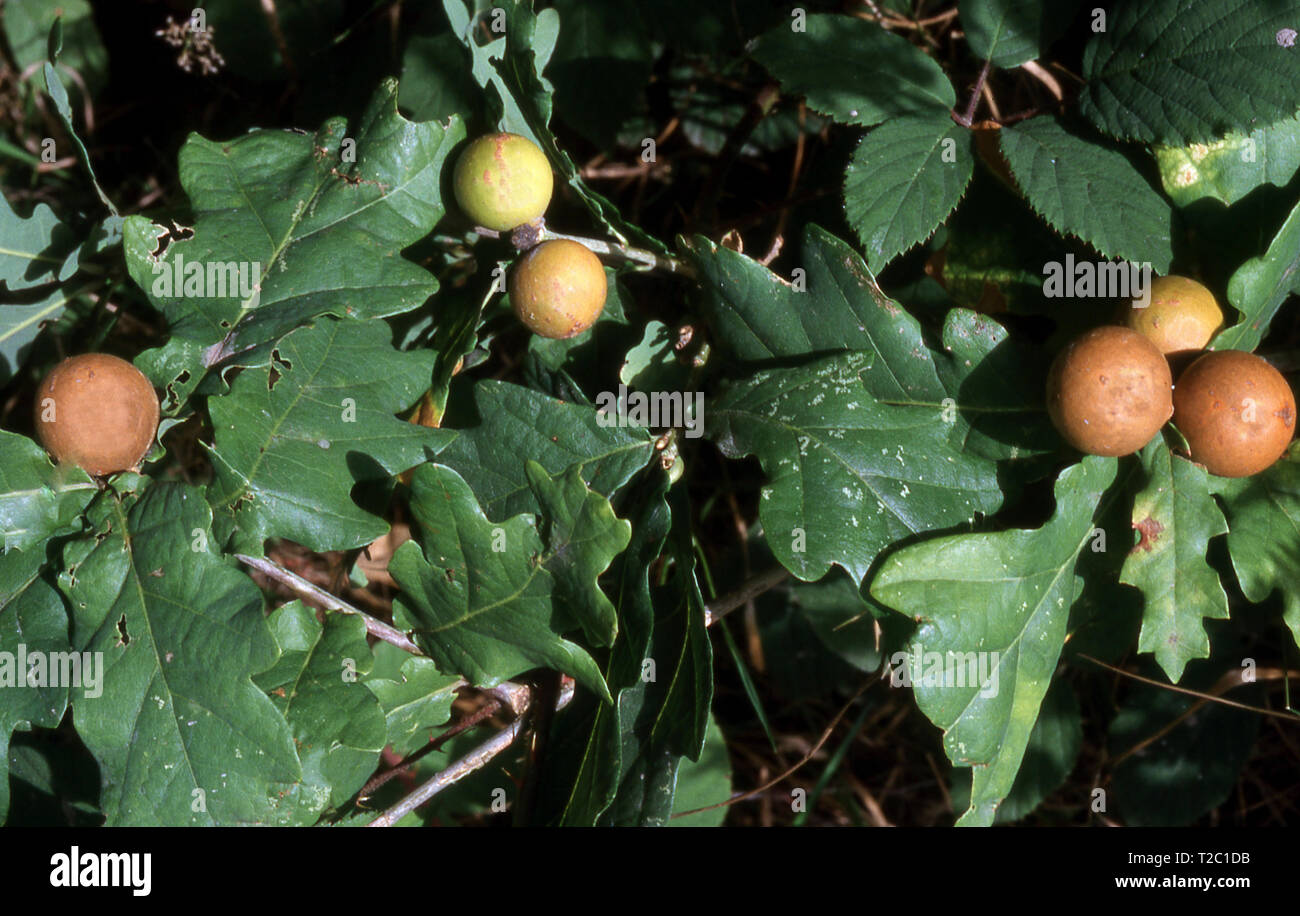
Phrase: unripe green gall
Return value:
(502, 181)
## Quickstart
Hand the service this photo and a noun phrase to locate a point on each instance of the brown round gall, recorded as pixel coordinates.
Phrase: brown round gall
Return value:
(1109, 391)
(98, 412)
(558, 288)
(1236, 412)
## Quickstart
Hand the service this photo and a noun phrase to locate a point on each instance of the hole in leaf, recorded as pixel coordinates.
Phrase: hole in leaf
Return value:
(171, 233)
(279, 366)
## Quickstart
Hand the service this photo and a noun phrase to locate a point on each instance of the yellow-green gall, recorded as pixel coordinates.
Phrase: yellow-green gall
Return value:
(1181, 315)
(502, 181)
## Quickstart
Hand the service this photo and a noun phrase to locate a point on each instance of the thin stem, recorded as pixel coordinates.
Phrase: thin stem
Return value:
(486, 711)
(506, 694)
(474, 760)
(1213, 697)
(638, 255)
(758, 109)
(969, 117)
(716, 610)
(548, 687)
(377, 628)
(830, 729)
(513, 695)
(273, 24)
(509, 694)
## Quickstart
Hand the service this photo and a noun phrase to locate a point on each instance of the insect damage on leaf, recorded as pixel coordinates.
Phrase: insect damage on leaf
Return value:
(172, 232)
(1149, 531)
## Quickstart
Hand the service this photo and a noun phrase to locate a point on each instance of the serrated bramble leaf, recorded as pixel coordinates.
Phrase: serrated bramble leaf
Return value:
(1230, 167)
(848, 475)
(904, 179)
(179, 720)
(477, 598)
(853, 70)
(1089, 191)
(312, 233)
(1260, 286)
(1010, 32)
(1175, 517)
(1178, 71)
(998, 601)
(287, 453)
(338, 725)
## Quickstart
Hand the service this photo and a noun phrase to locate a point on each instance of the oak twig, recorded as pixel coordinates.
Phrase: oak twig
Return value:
(720, 607)
(637, 255)
(508, 694)
(474, 760)
(375, 627)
